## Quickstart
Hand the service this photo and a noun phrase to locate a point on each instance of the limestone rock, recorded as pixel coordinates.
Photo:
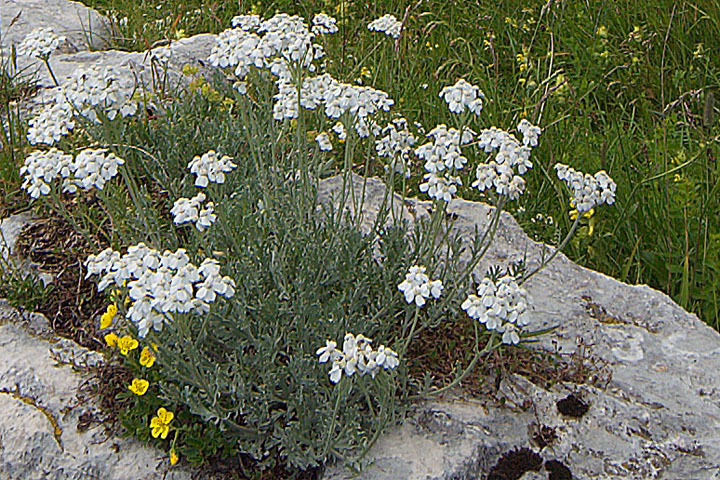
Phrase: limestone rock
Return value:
(83, 27)
(39, 433)
(656, 417)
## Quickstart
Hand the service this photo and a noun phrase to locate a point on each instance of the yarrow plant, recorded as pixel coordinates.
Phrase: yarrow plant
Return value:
(224, 323)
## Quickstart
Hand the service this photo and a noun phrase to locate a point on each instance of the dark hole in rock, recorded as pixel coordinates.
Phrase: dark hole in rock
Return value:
(557, 470)
(544, 436)
(572, 406)
(513, 464)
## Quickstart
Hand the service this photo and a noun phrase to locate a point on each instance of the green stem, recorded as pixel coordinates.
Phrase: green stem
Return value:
(559, 248)
(334, 417)
(47, 64)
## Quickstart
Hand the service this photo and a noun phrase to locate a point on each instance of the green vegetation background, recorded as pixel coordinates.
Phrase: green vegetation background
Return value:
(625, 86)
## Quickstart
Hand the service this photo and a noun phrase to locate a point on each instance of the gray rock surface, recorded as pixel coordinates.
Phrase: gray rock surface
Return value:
(83, 27)
(43, 406)
(657, 416)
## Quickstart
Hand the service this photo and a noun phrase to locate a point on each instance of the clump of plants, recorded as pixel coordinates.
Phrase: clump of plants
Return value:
(257, 318)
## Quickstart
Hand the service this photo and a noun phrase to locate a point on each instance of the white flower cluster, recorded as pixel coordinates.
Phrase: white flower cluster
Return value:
(93, 168)
(588, 191)
(39, 43)
(51, 124)
(249, 23)
(396, 143)
(387, 24)
(272, 43)
(41, 168)
(323, 140)
(338, 99)
(512, 160)
(323, 24)
(441, 156)
(210, 167)
(500, 306)
(530, 133)
(99, 88)
(160, 284)
(417, 286)
(282, 41)
(191, 210)
(357, 355)
(90, 168)
(463, 95)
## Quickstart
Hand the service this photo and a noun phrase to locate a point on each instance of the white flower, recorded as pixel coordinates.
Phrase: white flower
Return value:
(323, 24)
(357, 356)
(530, 133)
(210, 167)
(588, 191)
(51, 124)
(417, 286)
(323, 140)
(500, 306)
(463, 95)
(160, 285)
(246, 22)
(191, 210)
(93, 168)
(440, 187)
(99, 88)
(39, 43)
(41, 168)
(387, 24)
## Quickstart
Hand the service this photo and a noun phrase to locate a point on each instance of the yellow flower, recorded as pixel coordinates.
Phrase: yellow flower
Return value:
(111, 339)
(139, 386)
(127, 343)
(147, 359)
(108, 316)
(154, 346)
(602, 31)
(173, 457)
(160, 424)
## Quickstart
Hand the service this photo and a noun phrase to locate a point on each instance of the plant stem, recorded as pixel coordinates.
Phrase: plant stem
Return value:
(559, 248)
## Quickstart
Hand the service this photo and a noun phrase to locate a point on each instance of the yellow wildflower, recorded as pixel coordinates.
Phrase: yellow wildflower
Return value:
(173, 457)
(108, 316)
(147, 359)
(160, 424)
(127, 343)
(111, 339)
(602, 31)
(139, 386)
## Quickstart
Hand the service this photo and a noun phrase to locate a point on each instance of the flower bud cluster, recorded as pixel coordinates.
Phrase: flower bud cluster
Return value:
(417, 286)
(588, 191)
(51, 124)
(387, 24)
(191, 210)
(441, 156)
(90, 168)
(160, 285)
(511, 161)
(463, 95)
(39, 43)
(357, 355)
(396, 143)
(210, 167)
(500, 306)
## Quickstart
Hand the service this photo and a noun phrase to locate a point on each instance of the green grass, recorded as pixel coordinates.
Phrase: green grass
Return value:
(624, 86)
